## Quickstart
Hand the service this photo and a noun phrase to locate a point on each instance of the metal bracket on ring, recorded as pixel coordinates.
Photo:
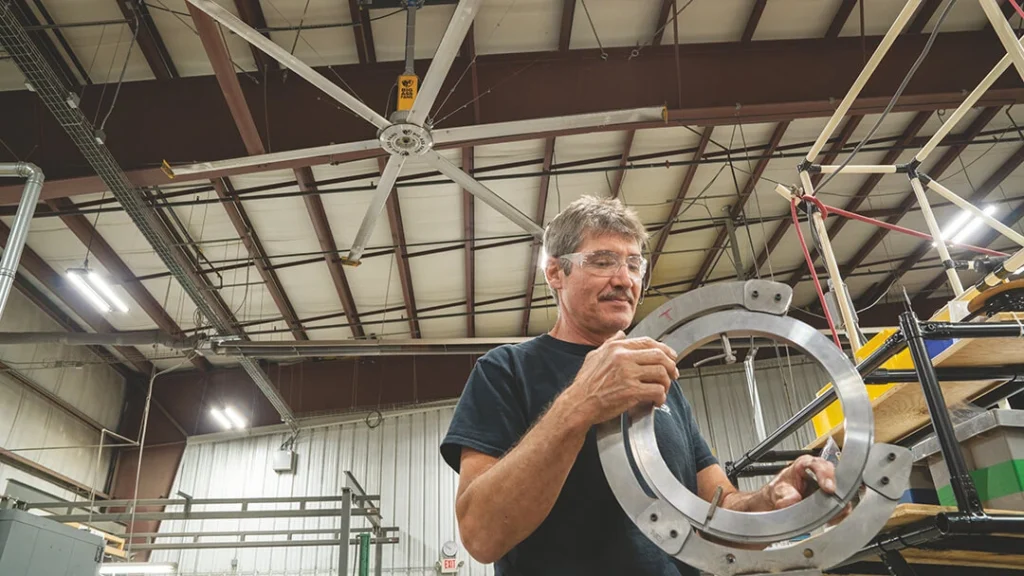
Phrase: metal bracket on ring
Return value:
(876, 475)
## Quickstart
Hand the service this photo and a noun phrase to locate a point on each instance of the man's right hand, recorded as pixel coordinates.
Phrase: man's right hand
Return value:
(620, 374)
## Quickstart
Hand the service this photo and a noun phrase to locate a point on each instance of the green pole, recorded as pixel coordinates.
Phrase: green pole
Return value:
(364, 554)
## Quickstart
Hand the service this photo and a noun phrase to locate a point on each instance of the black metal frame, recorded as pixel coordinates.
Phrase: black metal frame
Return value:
(970, 518)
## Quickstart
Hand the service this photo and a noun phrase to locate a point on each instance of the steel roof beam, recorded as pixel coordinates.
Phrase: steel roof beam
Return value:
(116, 267)
(737, 208)
(363, 32)
(542, 203)
(159, 110)
(56, 284)
(394, 210)
(784, 225)
(252, 14)
(251, 240)
(840, 18)
(684, 189)
(148, 38)
(324, 235)
(923, 16)
(753, 20)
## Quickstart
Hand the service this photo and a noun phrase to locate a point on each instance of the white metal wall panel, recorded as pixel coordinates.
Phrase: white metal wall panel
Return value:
(28, 420)
(398, 459)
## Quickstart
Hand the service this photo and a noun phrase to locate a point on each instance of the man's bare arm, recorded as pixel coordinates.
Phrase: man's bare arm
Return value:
(502, 501)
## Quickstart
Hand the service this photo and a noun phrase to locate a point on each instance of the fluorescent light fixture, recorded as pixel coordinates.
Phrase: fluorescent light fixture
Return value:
(974, 225)
(101, 286)
(139, 568)
(235, 418)
(220, 418)
(75, 276)
(956, 225)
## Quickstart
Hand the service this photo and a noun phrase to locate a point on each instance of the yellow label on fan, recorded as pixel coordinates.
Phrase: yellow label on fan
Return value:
(407, 86)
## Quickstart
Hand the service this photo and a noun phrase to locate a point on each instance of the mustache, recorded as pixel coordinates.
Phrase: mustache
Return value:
(617, 294)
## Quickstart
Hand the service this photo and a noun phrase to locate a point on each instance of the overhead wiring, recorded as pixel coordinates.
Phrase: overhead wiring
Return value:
(899, 91)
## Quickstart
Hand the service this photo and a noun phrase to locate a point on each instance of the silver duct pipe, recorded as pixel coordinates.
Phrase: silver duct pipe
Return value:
(65, 109)
(22, 220)
(137, 338)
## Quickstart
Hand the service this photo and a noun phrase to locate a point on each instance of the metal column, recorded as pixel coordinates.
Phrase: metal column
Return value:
(346, 523)
(966, 493)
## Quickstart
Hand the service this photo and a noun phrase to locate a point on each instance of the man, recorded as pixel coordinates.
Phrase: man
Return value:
(532, 496)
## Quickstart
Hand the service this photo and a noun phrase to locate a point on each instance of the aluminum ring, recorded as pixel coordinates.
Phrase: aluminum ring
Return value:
(813, 511)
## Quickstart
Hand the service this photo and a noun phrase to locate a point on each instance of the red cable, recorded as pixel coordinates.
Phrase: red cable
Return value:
(1017, 8)
(810, 265)
(895, 228)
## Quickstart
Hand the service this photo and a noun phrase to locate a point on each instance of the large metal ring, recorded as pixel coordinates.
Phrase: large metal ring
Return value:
(811, 512)
(753, 308)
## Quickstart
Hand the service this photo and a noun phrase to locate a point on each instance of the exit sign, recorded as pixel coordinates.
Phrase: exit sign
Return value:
(449, 566)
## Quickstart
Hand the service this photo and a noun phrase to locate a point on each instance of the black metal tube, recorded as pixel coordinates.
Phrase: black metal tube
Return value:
(966, 494)
(762, 469)
(882, 376)
(941, 330)
(892, 346)
(953, 524)
(776, 455)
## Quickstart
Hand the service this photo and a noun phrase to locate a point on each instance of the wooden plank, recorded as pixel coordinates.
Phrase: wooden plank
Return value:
(902, 409)
(907, 514)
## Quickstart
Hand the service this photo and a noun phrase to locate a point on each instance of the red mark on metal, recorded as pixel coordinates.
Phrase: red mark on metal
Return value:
(667, 314)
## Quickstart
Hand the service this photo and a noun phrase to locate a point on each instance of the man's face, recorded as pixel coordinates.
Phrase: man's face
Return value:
(601, 304)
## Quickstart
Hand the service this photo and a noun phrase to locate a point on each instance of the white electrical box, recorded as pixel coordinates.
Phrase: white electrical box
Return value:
(283, 461)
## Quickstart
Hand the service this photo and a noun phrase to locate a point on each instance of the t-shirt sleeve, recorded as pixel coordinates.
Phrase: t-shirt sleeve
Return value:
(489, 417)
(702, 455)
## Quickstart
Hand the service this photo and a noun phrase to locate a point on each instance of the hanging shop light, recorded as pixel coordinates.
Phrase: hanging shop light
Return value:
(964, 225)
(228, 418)
(95, 288)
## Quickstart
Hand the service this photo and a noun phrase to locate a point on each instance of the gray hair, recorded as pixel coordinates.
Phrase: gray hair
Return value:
(591, 215)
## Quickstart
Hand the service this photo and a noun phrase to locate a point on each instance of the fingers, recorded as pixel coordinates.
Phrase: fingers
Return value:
(824, 472)
(653, 393)
(648, 343)
(655, 357)
(654, 374)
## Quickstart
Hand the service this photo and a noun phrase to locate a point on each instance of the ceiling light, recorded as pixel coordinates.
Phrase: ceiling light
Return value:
(103, 288)
(139, 568)
(959, 222)
(75, 276)
(220, 418)
(974, 225)
(95, 288)
(235, 418)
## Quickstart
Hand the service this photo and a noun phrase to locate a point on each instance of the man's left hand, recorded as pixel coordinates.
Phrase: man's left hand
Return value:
(792, 484)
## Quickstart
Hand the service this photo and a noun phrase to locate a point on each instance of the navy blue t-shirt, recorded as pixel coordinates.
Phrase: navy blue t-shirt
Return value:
(587, 531)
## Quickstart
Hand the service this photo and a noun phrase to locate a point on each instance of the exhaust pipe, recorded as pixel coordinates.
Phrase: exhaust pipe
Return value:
(22, 219)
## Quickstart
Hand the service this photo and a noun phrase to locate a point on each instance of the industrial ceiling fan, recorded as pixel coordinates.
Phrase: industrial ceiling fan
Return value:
(409, 131)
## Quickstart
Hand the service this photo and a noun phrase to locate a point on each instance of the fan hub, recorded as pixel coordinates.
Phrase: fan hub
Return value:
(406, 139)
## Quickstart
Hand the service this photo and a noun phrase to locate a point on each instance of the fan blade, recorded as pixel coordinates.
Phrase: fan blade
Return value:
(387, 183)
(482, 192)
(465, 12)
(542, 127)
(231, 22)
(272, 161)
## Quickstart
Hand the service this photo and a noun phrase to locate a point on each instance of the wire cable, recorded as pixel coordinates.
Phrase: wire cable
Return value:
(899, 92)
